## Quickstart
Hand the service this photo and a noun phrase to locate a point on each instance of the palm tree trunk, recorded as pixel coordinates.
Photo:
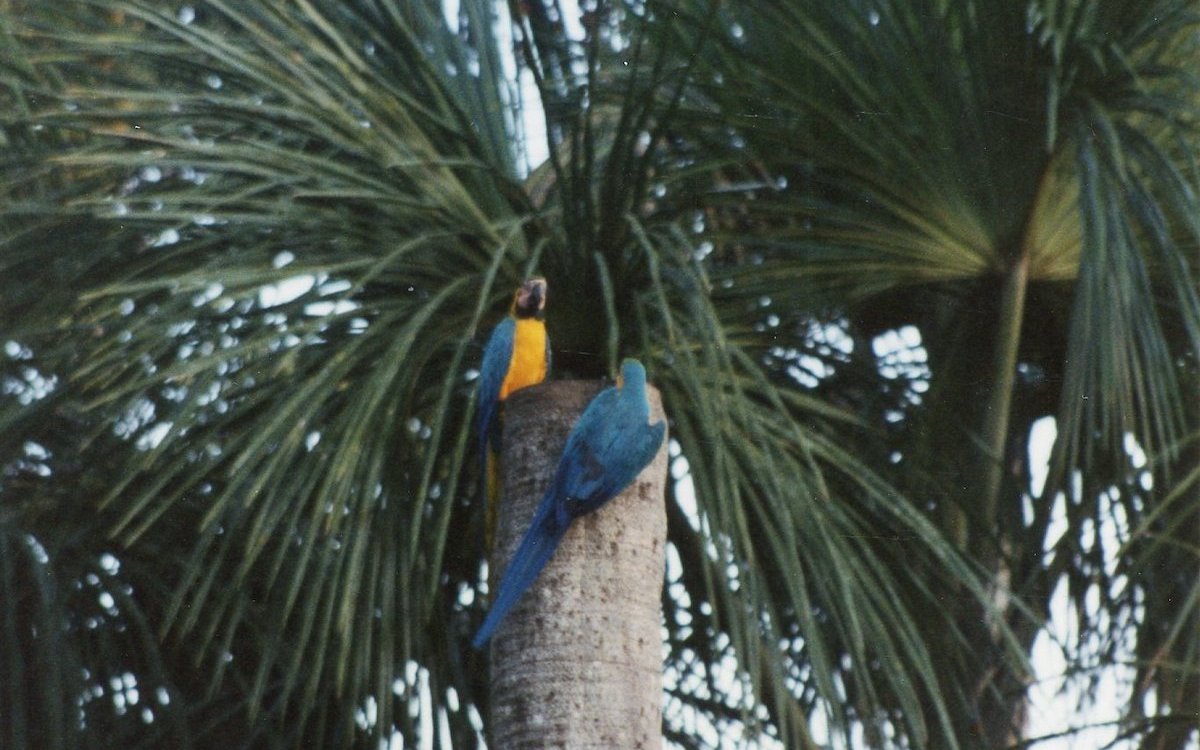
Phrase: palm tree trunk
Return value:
(1004, 372)
(578, 664)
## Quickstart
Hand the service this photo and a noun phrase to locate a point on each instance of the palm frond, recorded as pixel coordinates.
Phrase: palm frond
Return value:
(285, 205)
(40, 678)
(779, 500)
(264, 238)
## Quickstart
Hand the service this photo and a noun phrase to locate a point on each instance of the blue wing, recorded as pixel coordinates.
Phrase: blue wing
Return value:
(535, 550)
(496, 358)
(609, 447)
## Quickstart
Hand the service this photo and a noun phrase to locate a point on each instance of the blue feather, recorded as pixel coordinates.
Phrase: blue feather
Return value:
(535, 551)
(608, 447)
(496, 357)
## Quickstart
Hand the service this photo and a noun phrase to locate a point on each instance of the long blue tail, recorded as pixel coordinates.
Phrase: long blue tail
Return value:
(536, 549)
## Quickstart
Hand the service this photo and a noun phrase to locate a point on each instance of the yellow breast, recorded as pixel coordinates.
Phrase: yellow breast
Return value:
(528, 364)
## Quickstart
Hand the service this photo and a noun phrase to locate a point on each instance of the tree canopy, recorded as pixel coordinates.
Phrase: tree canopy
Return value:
(250, 250)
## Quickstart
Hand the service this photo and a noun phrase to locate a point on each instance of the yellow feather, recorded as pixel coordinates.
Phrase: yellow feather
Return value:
(527, 367)
(528, 364)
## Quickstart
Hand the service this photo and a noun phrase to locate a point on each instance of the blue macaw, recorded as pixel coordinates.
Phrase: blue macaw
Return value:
(608, 447)
(517, 355)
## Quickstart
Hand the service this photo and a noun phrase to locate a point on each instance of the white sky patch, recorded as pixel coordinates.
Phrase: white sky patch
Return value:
(285, 291)
(311, 440)
(36, 451)
(1054, 703)
(444, 729)
(210, 293)
(685, 492)
(571, 20)
(366, 715)
(425, 700)
(901, 354)
(154, 436)
(451, 9)
(334, 286)
(337, 307)
(1041, 440)
(39, 552)
(533, 121)
(166, 237)
(1137, 456)
(109, 563)
(809, 371)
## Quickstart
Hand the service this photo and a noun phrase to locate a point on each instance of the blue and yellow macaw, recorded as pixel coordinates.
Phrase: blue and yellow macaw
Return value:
(517, 355)
(608, 447)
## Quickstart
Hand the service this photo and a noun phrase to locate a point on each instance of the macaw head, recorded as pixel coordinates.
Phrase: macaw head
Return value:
(530, 299)
(632, 374)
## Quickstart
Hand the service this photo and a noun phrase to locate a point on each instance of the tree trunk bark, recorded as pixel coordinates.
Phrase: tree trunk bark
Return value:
(578, 662)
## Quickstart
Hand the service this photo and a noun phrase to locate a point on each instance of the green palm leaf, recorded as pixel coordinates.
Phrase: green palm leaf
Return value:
(267, 235)
(249, 166)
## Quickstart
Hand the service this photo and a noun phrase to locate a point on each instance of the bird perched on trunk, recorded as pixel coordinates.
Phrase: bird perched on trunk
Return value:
(609, 446)
(517, 355)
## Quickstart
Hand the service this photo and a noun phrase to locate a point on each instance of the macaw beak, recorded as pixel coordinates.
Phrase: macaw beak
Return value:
(530, 299)
(537, 294)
